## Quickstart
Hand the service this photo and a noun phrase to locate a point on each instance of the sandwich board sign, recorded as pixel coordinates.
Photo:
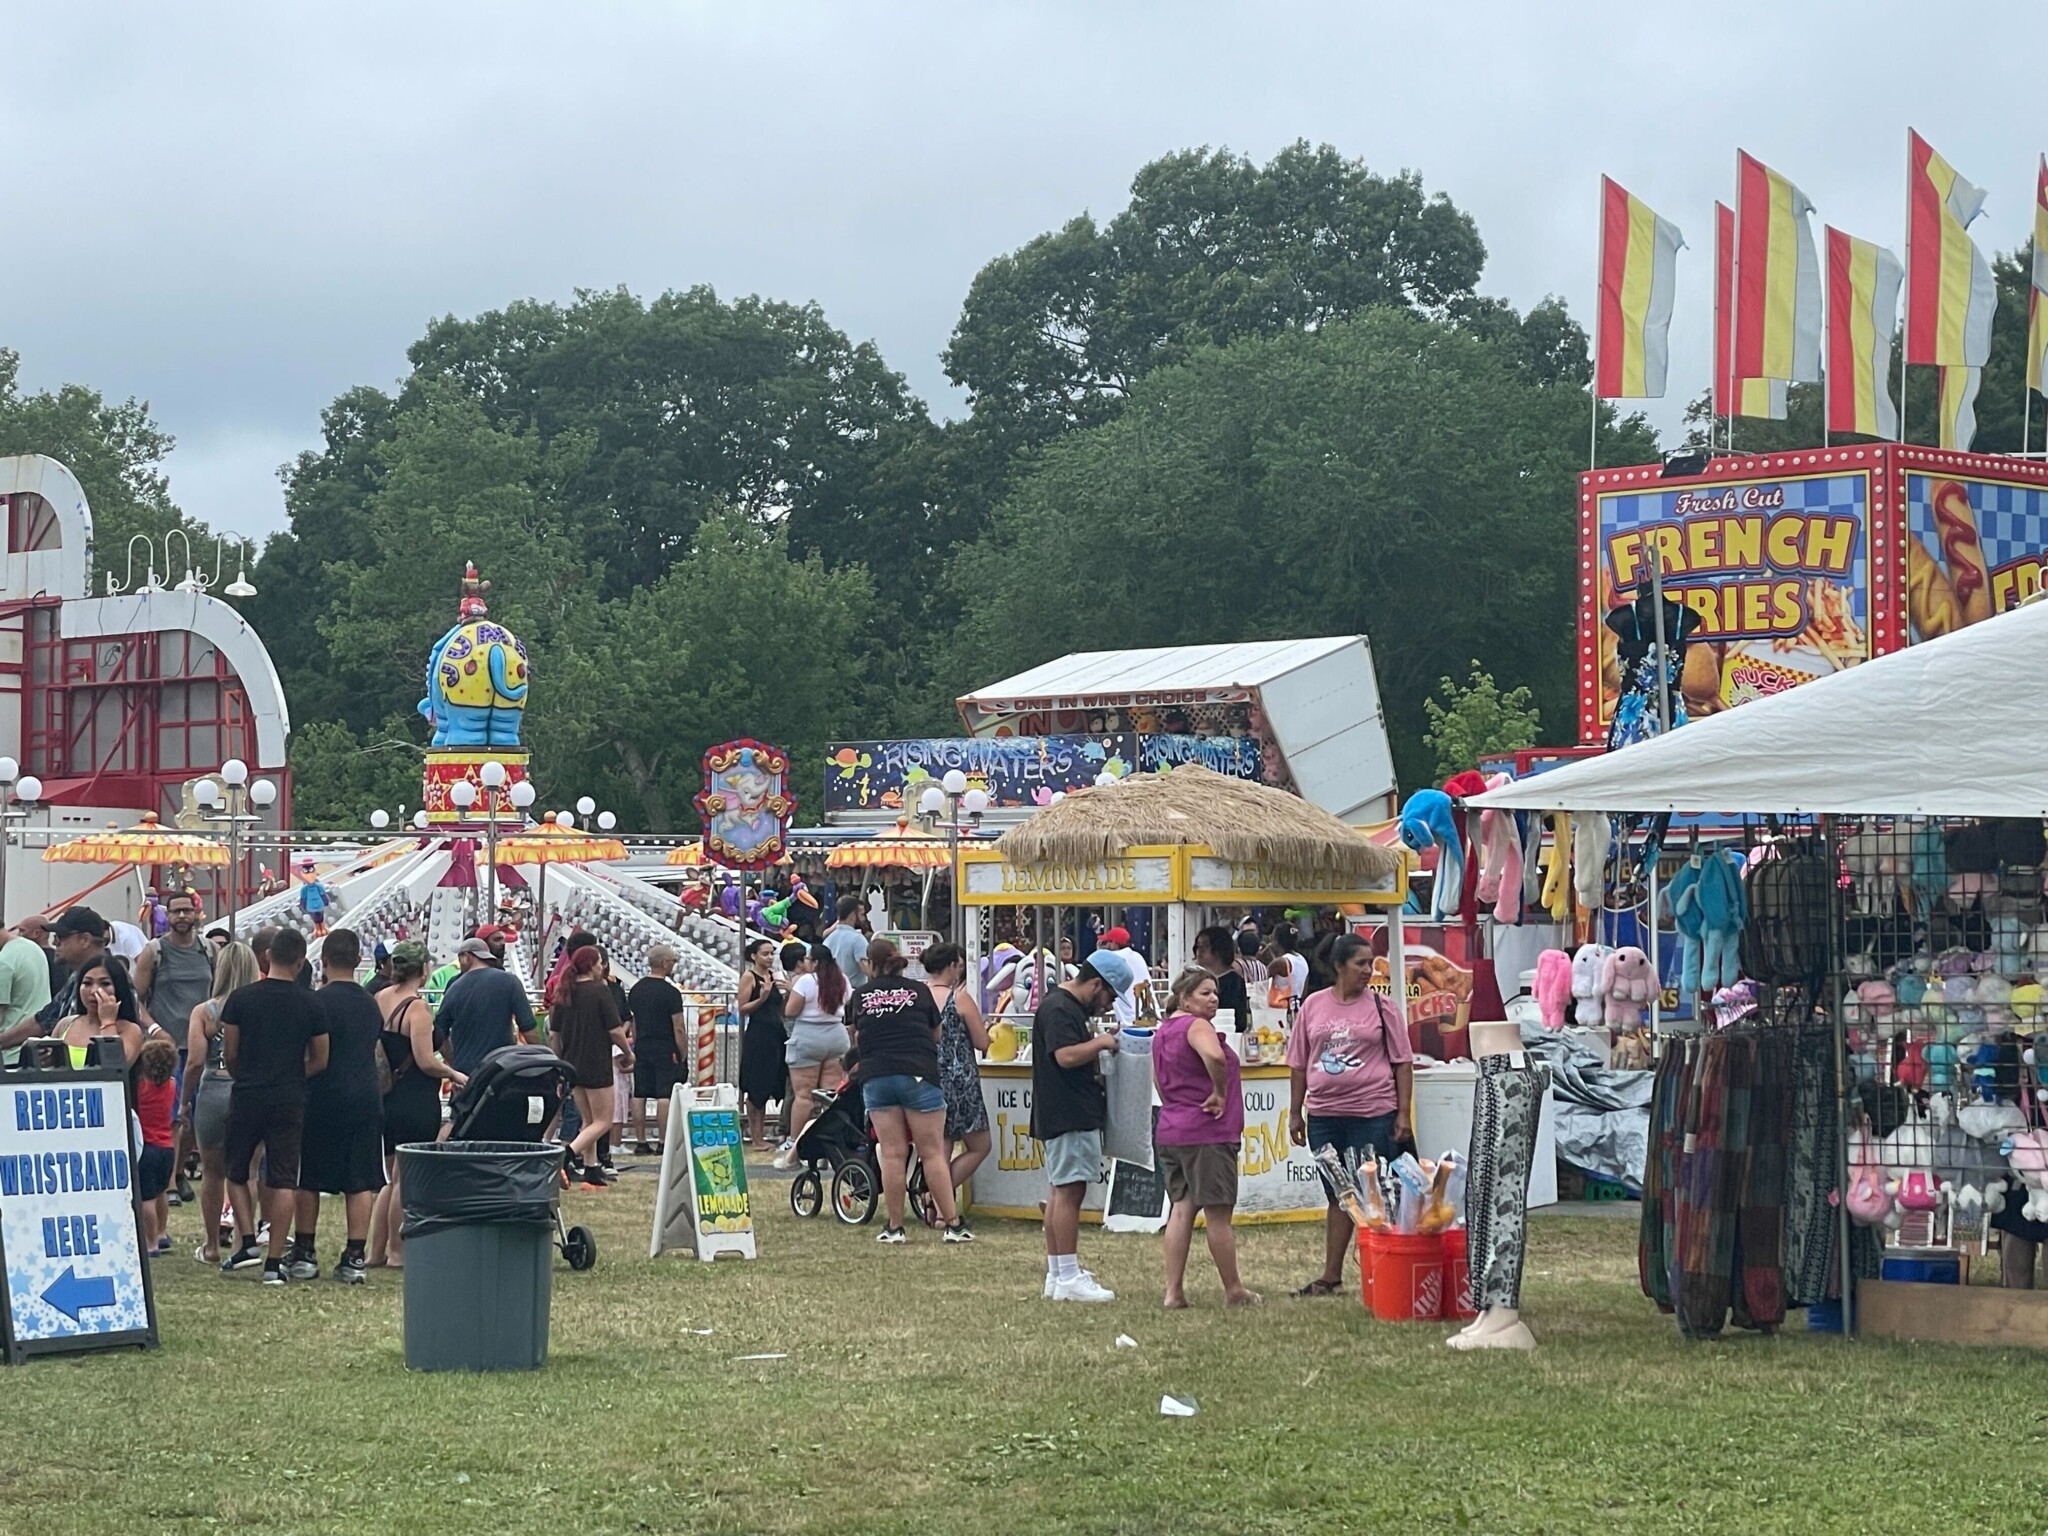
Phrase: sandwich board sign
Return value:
(702, 1204)
(69, 1239)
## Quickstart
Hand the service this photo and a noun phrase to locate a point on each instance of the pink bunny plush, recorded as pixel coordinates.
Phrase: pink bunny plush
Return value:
(1553, 987)
(1627, 982)
(2027, 1151)
(1870, 1201)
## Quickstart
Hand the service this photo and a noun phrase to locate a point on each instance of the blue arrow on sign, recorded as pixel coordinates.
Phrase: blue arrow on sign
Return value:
(72, 1293)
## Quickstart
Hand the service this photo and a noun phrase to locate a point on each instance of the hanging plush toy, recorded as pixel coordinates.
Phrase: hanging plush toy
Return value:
(2027, 1151)
(1591, 838)
(1586, 983)
(1870, 1202)
(1427, 821)
(1500, 860)
(1553, 986)
(1556, 896)
(1627, 983)
(1710, 908)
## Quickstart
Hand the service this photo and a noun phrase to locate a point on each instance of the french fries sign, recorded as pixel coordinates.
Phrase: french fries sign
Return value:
(1801, 565)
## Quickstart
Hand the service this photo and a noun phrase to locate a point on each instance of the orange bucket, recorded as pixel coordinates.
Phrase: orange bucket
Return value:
(1407, 1276)
(1365, 1236)
(1457, 1278)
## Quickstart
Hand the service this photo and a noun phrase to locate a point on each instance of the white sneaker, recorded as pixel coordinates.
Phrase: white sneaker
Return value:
(1049, 1284)
(785, 1155)
(1081, 1288)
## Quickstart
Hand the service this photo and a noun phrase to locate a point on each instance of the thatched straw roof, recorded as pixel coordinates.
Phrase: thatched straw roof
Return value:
(1239, 820)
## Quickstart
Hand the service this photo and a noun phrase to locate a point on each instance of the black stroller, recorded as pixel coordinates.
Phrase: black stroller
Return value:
(515, 1095)
(840, 1139)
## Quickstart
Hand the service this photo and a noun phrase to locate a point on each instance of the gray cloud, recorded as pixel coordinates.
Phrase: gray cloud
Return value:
(238, 211)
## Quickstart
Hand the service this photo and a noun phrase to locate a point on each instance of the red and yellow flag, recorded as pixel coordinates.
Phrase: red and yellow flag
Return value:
(1863, 305)
(2037, 312)
(1777, 277)
(1949, 292)
(1638, 286)
(1753, 397)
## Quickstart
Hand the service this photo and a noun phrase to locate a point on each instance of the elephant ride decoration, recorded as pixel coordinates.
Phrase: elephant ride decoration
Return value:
(477, 677)
(746, 804)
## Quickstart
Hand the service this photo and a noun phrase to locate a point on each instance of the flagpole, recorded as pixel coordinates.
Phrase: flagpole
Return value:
(1599, 336)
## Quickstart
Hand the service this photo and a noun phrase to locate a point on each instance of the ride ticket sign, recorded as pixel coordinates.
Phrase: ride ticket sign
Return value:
(75, 1275)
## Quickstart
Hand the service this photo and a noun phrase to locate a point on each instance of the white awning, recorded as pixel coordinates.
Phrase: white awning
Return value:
(1950, 727)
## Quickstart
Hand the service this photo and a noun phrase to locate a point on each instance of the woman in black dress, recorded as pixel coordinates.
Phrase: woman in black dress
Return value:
(586, 1025)
(763, 1073)
(412, 1109)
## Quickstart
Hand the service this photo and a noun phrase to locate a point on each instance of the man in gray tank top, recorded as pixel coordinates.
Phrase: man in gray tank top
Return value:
(174, 975)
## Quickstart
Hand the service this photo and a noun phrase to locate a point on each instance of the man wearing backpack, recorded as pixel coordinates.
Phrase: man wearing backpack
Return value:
(173, 976)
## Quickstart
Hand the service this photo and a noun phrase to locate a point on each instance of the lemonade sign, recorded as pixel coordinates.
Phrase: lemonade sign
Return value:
(703, 1205)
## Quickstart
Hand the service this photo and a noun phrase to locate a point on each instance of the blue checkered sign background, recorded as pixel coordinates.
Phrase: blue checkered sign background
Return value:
(2012, 520)
(1839, 495)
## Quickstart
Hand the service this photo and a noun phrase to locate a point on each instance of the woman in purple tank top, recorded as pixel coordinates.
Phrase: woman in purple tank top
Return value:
(1201, 1123)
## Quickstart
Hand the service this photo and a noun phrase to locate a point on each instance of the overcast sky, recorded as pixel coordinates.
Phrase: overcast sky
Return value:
(236, 212)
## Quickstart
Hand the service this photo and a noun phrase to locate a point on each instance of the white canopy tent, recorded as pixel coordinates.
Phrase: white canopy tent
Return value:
(1950, 727)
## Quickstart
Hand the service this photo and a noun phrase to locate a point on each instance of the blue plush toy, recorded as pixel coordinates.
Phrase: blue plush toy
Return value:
(1427, 821)
(1710, 907)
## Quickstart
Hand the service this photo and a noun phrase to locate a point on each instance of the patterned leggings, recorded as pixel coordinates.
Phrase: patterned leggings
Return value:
(1505, 1108)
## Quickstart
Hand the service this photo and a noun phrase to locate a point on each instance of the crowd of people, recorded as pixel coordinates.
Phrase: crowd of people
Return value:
(257, 1092)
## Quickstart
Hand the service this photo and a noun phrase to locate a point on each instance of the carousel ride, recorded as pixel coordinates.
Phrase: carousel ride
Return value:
(474, 858)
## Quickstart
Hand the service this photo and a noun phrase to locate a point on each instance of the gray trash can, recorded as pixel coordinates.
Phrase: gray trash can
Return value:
(479, 1234)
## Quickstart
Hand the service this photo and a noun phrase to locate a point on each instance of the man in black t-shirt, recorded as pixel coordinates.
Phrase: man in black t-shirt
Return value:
(1068, 1107)
(276, 1034)
(656, 1008)
(344, 1143)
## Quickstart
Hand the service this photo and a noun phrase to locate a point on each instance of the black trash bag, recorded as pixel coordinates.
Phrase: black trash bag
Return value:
(474, 1183)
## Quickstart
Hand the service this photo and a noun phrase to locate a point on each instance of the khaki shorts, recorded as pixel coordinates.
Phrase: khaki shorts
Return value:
(1205, 1174)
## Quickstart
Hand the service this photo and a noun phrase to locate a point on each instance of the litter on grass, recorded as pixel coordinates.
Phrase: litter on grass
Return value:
(1125, 1341)
(1177, 1407)
(761, 1357)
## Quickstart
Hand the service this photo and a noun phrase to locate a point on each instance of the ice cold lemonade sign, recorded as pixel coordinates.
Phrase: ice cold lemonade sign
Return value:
(75, 1276)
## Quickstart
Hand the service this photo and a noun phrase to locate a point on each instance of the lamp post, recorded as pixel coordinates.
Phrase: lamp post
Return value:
(14, 786)
(946, 803)
(230, 803)
(497, 799)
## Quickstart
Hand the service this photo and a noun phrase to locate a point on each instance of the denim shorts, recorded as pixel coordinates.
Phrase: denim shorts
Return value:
(918, 1095)
(1353, 1133)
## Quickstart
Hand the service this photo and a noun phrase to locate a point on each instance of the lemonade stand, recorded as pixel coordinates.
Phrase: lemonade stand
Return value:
(1196, 847)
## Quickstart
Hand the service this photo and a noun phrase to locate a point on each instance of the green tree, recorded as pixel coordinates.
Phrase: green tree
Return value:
(338, 778)
(116, 450)
(1211, 249)
(1387, 476)
(1468, 720)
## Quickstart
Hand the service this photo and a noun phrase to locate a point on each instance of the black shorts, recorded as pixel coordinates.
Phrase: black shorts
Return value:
(152, 1172)
(276, 1127)
(654, 1078)
(343, 1154)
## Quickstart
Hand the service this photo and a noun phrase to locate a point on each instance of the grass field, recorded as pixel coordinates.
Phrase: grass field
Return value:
(927, 1388)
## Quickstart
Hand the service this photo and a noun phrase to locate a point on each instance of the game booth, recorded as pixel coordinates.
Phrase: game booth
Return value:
(1848, 1114)
(1192, 847)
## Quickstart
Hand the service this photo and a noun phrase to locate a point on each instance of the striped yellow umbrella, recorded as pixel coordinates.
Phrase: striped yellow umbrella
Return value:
(904, 849)
(687, 855)
(147, 842)
(548, 843)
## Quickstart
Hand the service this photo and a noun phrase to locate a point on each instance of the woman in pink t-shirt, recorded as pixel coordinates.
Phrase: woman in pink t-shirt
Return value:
(1201, 1124)
(1349, 1084)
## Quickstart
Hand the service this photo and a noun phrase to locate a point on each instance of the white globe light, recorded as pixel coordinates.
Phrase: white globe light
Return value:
(462, 794)
(206, 792)
(262, 793)
(380, 819)
(606, 820)
(564, 819)
(30, 788)
(235, 771)
(419, 819)
(975, 801)
(932, 801)
(492, 773)
(10, 770)
(955, 782)
(521, 794)
(586, 806)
